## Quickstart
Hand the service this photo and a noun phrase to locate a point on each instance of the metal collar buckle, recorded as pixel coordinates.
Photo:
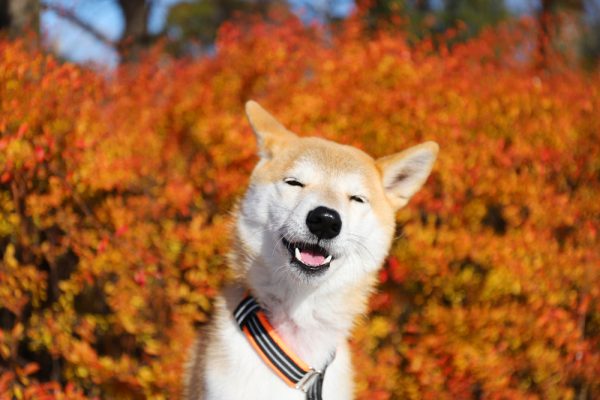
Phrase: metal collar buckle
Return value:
(307, 380)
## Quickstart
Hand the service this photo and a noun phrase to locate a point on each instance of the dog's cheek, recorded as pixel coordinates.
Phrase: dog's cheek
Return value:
(375, 241)
(254, 216)
(257, 200)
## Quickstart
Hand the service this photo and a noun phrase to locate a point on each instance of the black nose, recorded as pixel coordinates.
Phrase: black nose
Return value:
(324, 222)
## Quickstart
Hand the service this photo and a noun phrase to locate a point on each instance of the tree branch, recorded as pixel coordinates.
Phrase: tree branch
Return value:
(70, 16)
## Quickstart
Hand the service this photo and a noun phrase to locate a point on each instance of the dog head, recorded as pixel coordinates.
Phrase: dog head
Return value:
(318, 212)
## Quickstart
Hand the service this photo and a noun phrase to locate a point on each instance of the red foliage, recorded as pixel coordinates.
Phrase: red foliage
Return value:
(115, 194)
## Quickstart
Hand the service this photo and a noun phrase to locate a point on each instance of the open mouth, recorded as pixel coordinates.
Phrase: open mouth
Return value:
(311, 257)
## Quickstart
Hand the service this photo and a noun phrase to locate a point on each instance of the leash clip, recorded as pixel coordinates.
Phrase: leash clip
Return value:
(307, 380)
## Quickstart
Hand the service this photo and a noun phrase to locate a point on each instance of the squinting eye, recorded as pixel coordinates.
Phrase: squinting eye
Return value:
(358, 199)
(293, 182)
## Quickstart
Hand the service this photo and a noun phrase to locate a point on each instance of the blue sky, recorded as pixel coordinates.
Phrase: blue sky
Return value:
(73, 43)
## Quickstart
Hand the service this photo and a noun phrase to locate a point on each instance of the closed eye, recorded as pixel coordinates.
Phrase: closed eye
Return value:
(358, 199)
(293, 182)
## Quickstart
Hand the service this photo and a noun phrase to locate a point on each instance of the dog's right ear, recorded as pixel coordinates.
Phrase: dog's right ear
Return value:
(270, 134)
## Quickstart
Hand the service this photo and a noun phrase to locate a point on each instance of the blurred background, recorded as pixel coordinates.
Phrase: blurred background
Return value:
(99, 31)
(124, 148)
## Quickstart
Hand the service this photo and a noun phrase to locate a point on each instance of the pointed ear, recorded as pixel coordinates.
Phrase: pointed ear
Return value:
(270, 134)
(404, 173)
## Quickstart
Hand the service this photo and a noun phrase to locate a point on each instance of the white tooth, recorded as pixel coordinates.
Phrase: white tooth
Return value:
(298, 255)
(328, 259)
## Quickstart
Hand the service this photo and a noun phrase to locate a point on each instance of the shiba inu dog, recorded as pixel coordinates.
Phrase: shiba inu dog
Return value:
(310, 234)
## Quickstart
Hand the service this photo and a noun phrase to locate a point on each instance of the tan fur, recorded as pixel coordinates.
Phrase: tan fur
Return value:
(193, 388)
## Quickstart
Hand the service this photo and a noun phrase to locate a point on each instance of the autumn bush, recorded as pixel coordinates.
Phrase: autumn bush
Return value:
(115, 193)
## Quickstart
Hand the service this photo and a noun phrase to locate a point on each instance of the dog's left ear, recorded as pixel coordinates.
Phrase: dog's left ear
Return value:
(404, 173)
(270, 133)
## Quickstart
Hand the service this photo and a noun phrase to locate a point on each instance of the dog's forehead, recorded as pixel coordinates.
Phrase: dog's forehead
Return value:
(331, 158)
(309, 158)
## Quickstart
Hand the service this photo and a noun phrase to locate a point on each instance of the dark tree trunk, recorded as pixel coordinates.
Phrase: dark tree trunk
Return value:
(19, 16)
(135, 36)
(544, 31)
(4, 15)
(422, 6)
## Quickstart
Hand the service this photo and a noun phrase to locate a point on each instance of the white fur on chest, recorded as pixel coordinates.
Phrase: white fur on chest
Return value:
(233, 370)
(313, 328)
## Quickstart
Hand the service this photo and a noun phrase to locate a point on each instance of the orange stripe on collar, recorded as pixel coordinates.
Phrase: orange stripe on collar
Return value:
(271, 331)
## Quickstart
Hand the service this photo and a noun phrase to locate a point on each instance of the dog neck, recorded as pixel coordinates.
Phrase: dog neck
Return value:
(313, 321)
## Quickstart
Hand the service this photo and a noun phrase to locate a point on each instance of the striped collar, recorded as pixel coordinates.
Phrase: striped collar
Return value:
(253, 322)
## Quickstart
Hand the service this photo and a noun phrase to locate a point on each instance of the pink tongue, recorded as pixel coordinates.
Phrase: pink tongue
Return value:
(314, 260)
